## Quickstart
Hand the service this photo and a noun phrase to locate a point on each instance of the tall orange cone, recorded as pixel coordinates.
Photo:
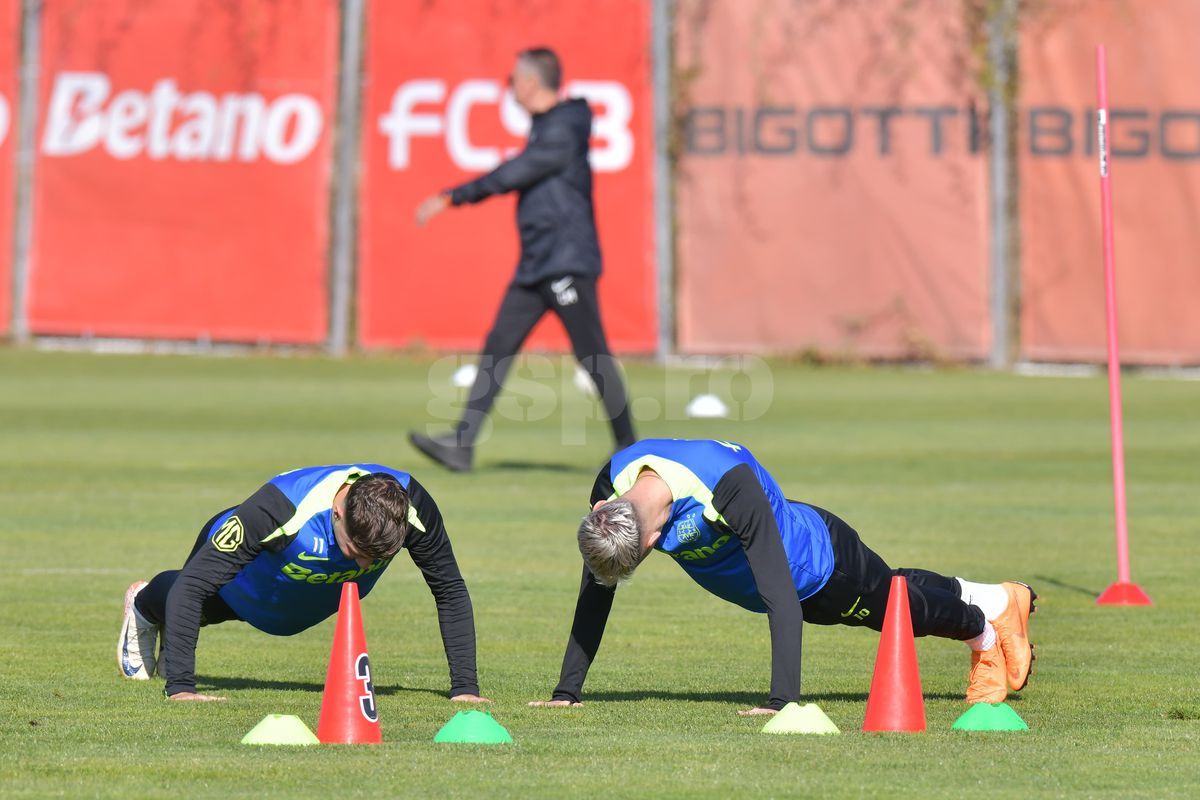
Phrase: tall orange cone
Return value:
(348, 711)
(896, 702)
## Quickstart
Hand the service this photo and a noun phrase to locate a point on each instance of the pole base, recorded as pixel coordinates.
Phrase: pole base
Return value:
(1123, 594)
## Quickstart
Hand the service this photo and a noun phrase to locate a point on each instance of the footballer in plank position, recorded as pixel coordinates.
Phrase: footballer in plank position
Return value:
(722, 517)
(278, 562)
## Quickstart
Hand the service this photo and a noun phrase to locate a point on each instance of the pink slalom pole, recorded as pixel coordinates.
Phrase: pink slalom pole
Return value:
(1123, 592)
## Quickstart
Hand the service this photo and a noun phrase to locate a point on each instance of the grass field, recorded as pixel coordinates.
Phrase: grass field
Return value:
(109, 464)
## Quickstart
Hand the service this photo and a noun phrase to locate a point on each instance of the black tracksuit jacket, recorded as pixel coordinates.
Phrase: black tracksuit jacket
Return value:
(553, 180)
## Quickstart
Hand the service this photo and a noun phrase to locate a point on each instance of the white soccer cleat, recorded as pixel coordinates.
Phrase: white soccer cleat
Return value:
(135, 647)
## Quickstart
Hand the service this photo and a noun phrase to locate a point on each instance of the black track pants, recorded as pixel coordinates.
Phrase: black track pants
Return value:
(574, 300)
(857, 591)
(151, 601)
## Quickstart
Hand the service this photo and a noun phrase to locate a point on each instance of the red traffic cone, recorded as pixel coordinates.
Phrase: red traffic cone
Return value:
(348, 711)
(896, 702)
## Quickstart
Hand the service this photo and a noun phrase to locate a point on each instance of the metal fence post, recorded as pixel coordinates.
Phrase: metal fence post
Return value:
(662, 18)
(26, 149)
(345, 178)
(1001, 24)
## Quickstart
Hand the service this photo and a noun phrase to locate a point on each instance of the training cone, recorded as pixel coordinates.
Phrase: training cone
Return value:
(1123, 594)
(348, 711)
(795, 718)
(990, 717)
(896, 702)
(280, 729)
(707, 406)
(473, 727)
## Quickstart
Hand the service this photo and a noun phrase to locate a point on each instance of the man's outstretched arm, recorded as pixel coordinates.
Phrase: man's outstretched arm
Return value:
(591, 616)
(431, 552)
(741, 501)
(549, 153)
(587, 629)
(210, 568)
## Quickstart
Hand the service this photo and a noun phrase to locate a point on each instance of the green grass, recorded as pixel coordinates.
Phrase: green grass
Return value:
(109, 464)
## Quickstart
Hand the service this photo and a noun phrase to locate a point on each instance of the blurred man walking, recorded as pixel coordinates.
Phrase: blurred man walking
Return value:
(560, 255)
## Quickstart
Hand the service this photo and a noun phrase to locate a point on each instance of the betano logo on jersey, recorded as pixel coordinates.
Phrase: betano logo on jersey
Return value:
(299, 573)
(701, 553)
(164, 123)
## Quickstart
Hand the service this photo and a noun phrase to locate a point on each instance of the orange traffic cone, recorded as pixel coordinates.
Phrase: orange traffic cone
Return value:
(348, 711)
(896, 702)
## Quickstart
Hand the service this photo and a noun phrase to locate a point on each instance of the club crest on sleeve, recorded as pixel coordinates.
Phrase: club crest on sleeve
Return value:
(686, 531)
(229, 536)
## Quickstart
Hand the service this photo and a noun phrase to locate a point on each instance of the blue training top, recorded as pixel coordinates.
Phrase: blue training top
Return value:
(698, 537)
(287, 591)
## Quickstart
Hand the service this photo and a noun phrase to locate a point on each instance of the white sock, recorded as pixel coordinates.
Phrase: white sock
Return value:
(988, 597)
(985, 640)
(141, 622)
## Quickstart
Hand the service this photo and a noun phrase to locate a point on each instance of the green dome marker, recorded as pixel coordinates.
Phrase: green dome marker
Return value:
(795, 718)
(990, 717)
(280, 729)
(473, 727)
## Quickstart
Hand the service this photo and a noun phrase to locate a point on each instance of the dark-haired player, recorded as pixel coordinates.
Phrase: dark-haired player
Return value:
(278, 562)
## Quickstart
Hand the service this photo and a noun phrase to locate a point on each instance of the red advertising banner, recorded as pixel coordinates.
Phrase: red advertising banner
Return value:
(831, 186)
(10, 47)
(1154, 130)
(183, 169)
(437, 113)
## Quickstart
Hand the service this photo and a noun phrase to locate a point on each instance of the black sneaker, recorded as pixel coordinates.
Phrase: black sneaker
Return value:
(445, 450)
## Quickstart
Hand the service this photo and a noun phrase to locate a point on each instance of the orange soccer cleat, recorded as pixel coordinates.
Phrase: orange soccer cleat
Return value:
(987, 682)
(1012, 628)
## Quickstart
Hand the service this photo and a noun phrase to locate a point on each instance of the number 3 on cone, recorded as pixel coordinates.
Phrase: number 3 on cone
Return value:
(366, 702)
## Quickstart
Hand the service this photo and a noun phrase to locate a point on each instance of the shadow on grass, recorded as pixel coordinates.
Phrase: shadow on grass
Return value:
(298, 686)
(539, 466)
(740, 698)
(1068, 586)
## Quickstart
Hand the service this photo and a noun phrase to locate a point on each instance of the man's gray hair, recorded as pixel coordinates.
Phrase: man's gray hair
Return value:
(545, 64)
(610, 541)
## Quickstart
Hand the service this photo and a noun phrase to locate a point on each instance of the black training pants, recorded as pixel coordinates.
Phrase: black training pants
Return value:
(151, 602)
(573, 299)
(857, 591)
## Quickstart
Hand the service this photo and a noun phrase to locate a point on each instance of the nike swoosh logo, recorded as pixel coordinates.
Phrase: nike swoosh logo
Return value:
(125, 665)
(307, 557)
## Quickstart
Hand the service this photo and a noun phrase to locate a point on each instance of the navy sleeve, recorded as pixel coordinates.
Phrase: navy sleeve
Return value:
(214, 564)
(549, 153)
(602, 489)
(591, 615)
(740, 499)
(587, 629)
(433, 555)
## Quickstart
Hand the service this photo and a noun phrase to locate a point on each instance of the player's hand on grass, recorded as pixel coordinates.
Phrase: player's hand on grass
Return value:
(196, 696)
(431, 207)
(469, 698)
(554, 704)
(757, 712)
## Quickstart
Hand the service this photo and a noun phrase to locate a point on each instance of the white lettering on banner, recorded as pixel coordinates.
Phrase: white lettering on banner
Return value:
(403, 122)
(4, 118)
(613, 150)
(611, 127)
(198, 126)
(458, 121)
